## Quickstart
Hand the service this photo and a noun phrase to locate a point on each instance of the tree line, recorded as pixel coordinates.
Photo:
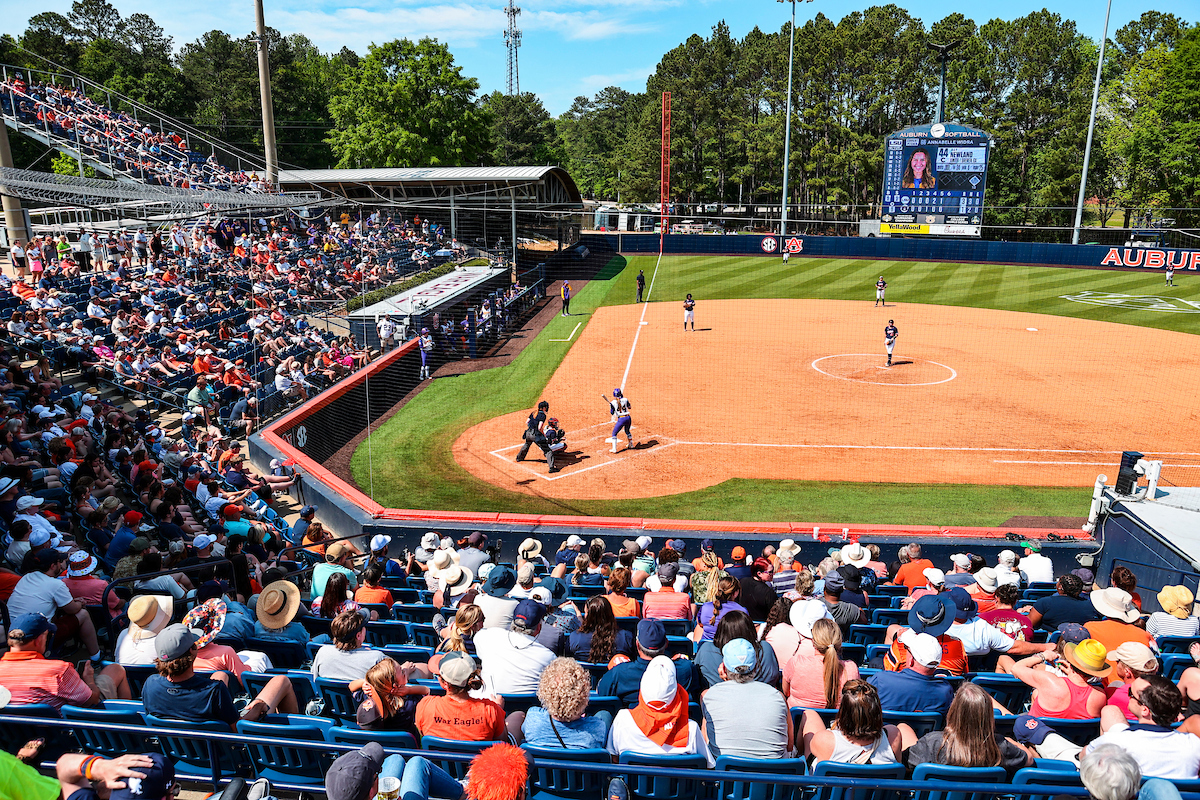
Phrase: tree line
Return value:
(1027, 81)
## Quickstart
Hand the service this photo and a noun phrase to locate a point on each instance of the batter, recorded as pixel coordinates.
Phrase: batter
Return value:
(622, 420)
(880, 286)
(889, 338)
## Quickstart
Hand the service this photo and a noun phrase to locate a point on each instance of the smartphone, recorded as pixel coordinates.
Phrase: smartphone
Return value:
(80, 666)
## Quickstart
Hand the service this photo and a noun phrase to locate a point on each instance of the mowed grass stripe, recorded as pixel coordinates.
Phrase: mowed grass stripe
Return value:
(415, 468)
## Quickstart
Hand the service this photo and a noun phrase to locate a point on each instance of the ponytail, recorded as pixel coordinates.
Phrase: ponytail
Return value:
(827, 640)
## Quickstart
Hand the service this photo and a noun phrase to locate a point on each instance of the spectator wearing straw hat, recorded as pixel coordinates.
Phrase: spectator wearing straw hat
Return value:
(530, 550)
(455, 584)
(276, 609)
(1065, 693)
(1130, 661)
(1119, 612)
(148, 615)
(1176, 617)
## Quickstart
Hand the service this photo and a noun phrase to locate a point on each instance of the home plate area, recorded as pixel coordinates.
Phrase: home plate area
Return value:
(587, 449)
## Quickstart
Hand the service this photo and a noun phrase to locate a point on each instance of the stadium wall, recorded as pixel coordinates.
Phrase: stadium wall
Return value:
(951, 250)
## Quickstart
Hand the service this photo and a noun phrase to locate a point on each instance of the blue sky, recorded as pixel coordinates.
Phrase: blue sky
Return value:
(570, 47)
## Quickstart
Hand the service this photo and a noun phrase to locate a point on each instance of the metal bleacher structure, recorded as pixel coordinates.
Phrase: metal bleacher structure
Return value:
(102, 130)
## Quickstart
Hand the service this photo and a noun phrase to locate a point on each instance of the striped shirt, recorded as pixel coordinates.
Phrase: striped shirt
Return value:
(32, 678)
(1161, 623)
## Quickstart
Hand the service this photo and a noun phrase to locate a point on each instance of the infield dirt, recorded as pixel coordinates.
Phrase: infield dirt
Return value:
(798, 389)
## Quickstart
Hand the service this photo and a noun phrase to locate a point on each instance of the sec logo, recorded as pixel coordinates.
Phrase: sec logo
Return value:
(301, 436)
(769, 244)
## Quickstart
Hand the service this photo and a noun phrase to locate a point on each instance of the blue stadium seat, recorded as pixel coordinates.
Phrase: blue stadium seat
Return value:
(282, 762)
(458, 769)
(827, 715)
(423, 635)
(662, 787)
(283, 654)
(868, 634)
(382, 634)
(867, 774)
(194, 758)
(921, 723)
(1037, 776)
(136, 676)
(1079, 731)
(1006, 690)
(929, 775)
(104, 742)
(678, 627)
(1175, 644)
(734, 789)
(889, 616)
(555, 783)
(519, 702)
(398, 740)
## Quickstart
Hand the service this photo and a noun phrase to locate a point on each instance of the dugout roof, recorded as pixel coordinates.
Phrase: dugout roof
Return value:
(530, 188)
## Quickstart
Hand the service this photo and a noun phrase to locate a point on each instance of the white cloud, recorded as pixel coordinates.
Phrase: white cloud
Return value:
(458, 24)
(583, 26)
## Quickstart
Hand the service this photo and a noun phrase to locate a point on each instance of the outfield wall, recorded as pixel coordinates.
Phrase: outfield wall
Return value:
(949, 250)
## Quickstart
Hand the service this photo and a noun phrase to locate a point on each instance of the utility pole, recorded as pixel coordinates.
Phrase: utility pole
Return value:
(264, 90)
(943, 51)
(14, 216)
(512, 38)
(787, 130)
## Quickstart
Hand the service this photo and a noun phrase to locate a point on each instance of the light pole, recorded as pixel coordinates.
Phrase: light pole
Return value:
(943, 51)
(1087, 150)
(787, 128)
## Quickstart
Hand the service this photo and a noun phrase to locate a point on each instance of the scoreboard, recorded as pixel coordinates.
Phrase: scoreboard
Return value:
(934, 178)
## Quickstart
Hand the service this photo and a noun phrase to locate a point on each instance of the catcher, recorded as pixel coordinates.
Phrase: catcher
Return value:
(619, 407)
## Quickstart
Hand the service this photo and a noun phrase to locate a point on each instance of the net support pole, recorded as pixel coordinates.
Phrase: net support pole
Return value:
(14, 215)
(664, 182)
(264, 90)
(1087, 150)
(512, 194)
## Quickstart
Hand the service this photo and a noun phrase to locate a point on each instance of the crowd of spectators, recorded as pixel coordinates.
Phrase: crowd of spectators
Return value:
(699, 660)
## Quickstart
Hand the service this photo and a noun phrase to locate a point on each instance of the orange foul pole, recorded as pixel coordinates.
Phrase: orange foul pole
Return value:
(664, 188)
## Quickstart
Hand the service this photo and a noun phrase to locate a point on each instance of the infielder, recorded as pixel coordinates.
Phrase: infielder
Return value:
(689, 313)
(535, 433)
(889, 338)
(880, 286)
(622, 420)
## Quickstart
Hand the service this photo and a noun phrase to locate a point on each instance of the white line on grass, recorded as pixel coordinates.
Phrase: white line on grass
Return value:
(572, 336)
(645, 305)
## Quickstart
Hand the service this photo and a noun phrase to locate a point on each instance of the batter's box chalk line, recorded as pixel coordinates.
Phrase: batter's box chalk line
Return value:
(620, 456)
(953, 372)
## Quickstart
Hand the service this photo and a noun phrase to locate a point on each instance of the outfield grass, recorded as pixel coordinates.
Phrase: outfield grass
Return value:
(419, 470)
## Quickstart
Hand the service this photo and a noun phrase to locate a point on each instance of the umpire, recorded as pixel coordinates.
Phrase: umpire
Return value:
(535, 433)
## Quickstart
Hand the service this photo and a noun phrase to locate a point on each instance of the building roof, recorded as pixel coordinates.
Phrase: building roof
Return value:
(416, 174)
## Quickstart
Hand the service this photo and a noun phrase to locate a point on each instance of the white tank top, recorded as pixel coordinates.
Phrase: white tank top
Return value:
(846, 752)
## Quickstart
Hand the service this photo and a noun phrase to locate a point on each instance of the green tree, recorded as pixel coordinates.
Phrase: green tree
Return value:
(1178, 106)
(95, 19)
(407, 104)
(522, 131)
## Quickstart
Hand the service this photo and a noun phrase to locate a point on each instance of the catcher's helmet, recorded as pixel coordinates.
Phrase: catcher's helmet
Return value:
(552, 422)
(617, 392)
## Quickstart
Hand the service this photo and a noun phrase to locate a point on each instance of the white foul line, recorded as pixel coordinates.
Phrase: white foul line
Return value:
(920, 447)
(645, 305)
(1089, 464)
(572, 336)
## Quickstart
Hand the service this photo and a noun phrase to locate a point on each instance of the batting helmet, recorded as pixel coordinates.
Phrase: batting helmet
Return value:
(424, 330)
(617, 392)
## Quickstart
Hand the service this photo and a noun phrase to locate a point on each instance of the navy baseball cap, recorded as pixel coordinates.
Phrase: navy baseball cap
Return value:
(677, 545)
(528, 614)
(964, 605)
(651, 635)
(352, 774)
(28, 627)
(706, 545)
(156, 785)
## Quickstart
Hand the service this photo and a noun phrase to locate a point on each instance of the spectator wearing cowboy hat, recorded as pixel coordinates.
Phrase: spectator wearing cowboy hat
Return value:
(149, 614)
(1065, 693)
(1119, 612)
(276, 609)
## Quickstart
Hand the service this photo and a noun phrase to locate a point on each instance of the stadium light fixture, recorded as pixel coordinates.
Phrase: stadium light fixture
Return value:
(1087, 150)
(787, 125)
(943, 51)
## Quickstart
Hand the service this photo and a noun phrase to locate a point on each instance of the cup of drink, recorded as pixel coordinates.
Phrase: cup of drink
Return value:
(389, 789)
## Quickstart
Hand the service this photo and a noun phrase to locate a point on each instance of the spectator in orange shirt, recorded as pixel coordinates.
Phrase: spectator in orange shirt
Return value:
(698, 563)
(1119, 612)
(983, 591)
(371, 591)
(622, 606)
(911, 574)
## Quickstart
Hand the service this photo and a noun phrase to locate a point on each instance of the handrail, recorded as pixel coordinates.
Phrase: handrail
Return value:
(212, 142)
(703, 775)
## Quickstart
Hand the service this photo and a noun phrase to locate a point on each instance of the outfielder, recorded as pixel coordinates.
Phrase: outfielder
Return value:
(880, 286)
(889, 338)
(535, 433)
(689, 315)
(1170, 275)
(622, 420)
